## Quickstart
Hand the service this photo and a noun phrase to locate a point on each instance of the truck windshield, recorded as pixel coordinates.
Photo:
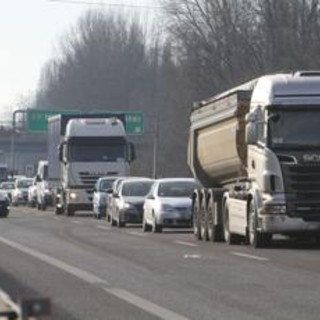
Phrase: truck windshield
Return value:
(96, 149)
(294, 129)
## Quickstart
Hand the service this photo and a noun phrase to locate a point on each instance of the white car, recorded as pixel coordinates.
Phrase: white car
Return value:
(168, 205)
(128, 201)
(20, 191)
(4, 204)
(7, 187)
(101, 189)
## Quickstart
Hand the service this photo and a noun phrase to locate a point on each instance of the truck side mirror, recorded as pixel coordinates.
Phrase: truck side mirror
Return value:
(252, 133)
(60, 151)
(131, 152)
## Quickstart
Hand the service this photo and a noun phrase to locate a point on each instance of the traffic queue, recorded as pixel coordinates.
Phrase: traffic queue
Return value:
(152, 203)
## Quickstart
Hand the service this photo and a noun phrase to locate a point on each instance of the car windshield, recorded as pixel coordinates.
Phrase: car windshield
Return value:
(136, 189)
(176, 189)
(106, 184)
(21, 184)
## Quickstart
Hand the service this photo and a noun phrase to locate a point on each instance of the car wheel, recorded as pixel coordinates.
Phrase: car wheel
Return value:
(70, 211)
(145, 226)
(156, 228)
(113, 222)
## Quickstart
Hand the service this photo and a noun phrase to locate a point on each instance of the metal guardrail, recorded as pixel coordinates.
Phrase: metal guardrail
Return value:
(27, 309)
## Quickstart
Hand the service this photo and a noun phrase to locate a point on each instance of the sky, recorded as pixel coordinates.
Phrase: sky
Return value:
(29, 35)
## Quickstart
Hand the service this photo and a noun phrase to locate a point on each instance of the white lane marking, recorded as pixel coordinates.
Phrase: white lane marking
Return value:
(90, 278)
(103, 227)
(134, 233)
(145, 305)
(249, 256)
(76, 222)
(192, 256)
(185, 243)
(79, 273)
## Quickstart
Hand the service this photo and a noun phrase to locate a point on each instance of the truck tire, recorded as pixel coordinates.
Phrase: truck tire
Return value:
(196, 217)
(214, 230)
(229, 237)
(254, 237)
(204, 219)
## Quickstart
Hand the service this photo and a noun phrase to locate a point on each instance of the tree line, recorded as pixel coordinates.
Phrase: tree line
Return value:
(201, 47)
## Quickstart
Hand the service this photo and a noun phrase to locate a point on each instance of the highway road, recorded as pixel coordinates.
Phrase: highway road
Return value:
(93, 272)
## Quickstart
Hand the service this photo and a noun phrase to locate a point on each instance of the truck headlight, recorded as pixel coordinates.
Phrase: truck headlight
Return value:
(273, 209)
(73, 195)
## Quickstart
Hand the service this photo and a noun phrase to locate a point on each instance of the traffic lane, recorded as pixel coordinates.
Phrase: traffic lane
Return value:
(205, 285)
(289, 253)
(23, 277)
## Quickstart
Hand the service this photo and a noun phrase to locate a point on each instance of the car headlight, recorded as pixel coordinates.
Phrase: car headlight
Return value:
(73, 195)
(127, 205)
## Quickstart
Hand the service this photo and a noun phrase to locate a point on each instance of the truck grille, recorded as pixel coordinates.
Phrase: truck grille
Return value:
(302, 187)
(88, 181)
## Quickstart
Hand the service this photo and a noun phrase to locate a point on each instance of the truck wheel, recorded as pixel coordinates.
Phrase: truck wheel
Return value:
(204, 219)
(254, 237)
(214, 231)
(229, 237)
(196, 217)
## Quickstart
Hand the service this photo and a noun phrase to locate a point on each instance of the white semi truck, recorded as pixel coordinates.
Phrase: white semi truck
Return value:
(81, 149)
(256, 151)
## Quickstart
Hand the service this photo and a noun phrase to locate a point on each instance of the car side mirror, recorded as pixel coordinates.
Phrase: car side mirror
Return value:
(109, 191)
(38, 179)
(115, 195)
(151, 196)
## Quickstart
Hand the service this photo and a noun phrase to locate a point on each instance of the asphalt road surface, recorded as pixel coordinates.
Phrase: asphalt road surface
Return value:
(92, 271)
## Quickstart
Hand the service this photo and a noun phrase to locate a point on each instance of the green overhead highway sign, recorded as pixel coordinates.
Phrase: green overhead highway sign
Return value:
(37, 120)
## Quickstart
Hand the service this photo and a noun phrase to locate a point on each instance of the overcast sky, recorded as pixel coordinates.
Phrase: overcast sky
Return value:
(29, 34)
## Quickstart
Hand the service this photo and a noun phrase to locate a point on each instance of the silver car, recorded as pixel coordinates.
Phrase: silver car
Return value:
(101, 189)
(128, 201)
(168, 204)
(20, 191)
(7, 187)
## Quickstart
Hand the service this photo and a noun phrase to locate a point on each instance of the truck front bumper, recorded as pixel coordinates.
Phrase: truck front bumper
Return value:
(281, 223)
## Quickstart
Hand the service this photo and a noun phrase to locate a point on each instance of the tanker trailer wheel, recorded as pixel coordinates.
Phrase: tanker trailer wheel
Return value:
(196, 217)
(214, 230)
(229, 237)
(254, 237)
(204, 219)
